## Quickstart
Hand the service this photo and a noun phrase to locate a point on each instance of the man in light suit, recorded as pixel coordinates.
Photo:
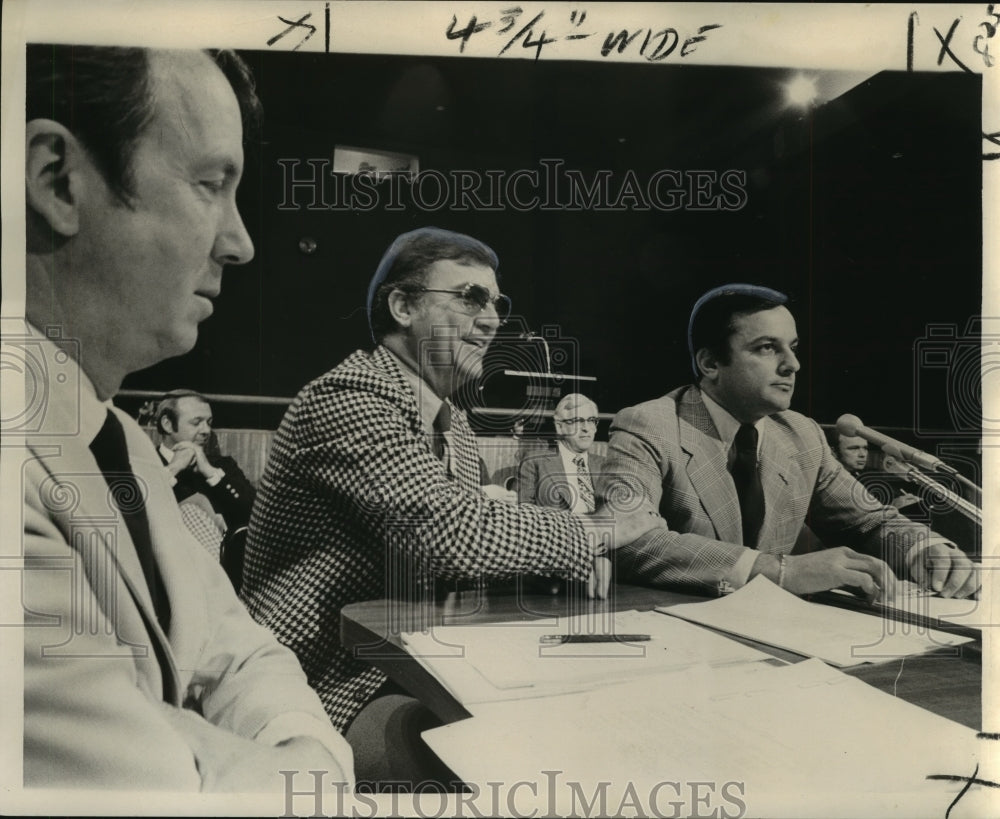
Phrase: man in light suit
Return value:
(735, 473)
(564, 478)
(142, 670)
(372, 488)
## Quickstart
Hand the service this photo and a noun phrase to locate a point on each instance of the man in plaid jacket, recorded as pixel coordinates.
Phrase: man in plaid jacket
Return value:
(374, 477)
(682, 451)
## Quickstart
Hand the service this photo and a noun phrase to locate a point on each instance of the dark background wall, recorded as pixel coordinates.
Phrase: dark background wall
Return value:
(866, 210)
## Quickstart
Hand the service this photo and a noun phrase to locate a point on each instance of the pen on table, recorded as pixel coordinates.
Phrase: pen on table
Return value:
(561, 639)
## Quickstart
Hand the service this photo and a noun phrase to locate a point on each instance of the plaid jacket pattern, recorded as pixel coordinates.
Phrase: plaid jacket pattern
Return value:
(669, 451)
(353, 506)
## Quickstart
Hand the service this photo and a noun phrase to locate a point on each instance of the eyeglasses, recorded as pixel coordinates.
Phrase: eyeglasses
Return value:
(474, 299)
(579, 422)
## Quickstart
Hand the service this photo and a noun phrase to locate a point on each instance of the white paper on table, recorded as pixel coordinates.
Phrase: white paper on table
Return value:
(768, 614)
(488, 662)
(798, 739)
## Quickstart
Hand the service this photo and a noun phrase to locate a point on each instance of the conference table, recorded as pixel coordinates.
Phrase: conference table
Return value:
(946, 681)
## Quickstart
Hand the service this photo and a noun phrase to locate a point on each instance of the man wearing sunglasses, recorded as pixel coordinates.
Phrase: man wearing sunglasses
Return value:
(372, 489)
(564, 477)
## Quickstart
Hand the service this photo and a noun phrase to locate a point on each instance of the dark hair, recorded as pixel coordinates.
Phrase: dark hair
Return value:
(406, 263)
(103, 95)
(167, 408)
(713, 317)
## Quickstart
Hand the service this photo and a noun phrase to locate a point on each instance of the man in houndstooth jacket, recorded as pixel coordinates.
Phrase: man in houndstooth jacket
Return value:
(374, 477)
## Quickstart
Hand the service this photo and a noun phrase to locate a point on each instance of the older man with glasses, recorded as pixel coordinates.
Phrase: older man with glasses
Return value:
(373, 491)
(564, 477)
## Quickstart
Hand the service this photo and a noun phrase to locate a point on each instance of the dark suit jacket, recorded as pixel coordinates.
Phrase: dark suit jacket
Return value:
(232, 497)
(542, 479)
(351, 493)
(669, 451)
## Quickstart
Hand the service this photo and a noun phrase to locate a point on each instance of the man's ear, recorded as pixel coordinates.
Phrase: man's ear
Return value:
(400, 308)
(52, 178)
(707, 363)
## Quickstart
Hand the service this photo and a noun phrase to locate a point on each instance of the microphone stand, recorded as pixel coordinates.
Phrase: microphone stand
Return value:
(914, 475)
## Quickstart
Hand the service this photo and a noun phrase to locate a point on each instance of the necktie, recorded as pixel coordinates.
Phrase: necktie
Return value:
(442, 426)
(748, 485)
(583, 482)
(111, 453)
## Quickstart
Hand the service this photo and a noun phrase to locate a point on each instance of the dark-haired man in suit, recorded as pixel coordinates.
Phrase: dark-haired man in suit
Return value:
(735, 473)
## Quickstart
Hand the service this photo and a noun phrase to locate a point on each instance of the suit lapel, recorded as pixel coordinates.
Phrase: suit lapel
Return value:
(93, 517)
(775, 459)
(558, 480)
(706, 467)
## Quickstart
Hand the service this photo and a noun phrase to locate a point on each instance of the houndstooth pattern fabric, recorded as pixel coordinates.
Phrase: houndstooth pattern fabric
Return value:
(353, 506)
(669, 452)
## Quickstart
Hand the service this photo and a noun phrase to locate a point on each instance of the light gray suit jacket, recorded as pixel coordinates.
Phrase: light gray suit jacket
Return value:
(95, 710)
(668, 450)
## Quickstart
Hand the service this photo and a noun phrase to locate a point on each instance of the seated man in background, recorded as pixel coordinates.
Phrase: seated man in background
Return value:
(145, 672)
(564, 478)
(852, 452)
(197, 469)
(735, 473)
(372, 488)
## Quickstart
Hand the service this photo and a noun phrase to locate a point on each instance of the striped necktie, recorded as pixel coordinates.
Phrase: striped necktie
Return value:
(584, 483)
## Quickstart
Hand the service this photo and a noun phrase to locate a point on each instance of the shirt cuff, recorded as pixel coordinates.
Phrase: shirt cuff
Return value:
(293, 724)
(740, 573)
(218, 475)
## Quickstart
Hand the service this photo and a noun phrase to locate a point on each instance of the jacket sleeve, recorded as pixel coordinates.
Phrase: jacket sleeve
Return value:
(641, 459)
(527, 481)
(233, 496)
(359, 451)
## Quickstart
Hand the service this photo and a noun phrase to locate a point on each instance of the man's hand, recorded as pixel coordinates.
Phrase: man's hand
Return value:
(193, 454)
(623, 528)
(944, 569)
(494, 491)
(904, 500)
(231, 764)
(833, 568)
(184, 457)
(600, 578)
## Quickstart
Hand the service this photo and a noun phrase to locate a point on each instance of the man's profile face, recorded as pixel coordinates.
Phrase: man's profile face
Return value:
(156, 267)
(194, 422)
(447, 339)
(575, 424)
(760, 377)
(852, 452)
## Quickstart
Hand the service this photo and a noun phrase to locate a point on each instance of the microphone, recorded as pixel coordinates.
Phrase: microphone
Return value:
(530, 336)
(851, 427)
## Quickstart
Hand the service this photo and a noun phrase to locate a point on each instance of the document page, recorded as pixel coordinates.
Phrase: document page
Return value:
(768, 614)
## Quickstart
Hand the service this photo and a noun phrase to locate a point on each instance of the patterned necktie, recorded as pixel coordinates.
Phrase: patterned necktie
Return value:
(748, 485)
(583, 482)
(442, 426)
(111, 454)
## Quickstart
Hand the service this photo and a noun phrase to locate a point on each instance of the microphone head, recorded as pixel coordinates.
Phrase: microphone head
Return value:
(848, 425)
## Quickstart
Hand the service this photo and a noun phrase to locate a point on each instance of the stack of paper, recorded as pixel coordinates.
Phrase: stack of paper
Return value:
(489, 662)
(801, 739)
(768, 614)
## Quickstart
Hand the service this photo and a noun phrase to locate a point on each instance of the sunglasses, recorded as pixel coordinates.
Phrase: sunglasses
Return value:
(474, 299)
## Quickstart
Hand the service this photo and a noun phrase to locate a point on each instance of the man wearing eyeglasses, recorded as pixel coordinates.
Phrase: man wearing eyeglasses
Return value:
(564, 478)
(372, 489)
